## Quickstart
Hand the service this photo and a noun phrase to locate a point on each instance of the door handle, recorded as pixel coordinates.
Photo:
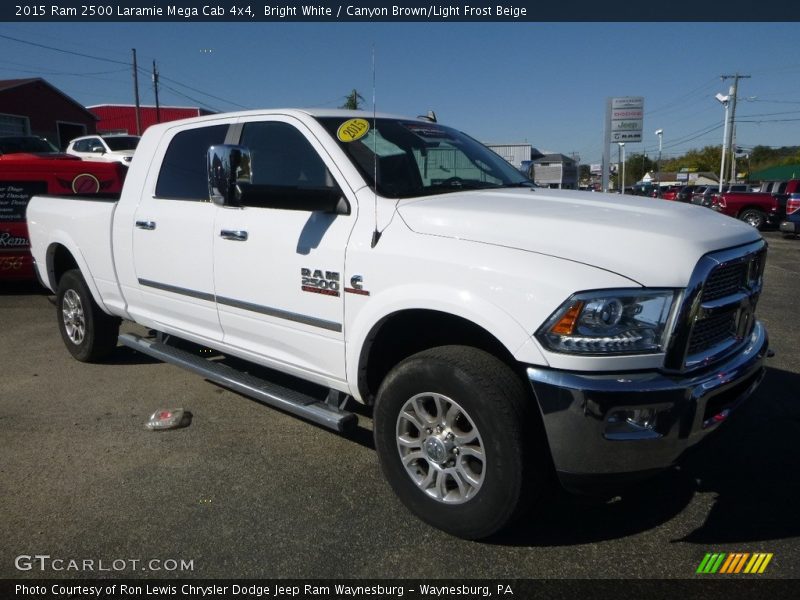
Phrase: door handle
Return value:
(149, 225)
(236, 235)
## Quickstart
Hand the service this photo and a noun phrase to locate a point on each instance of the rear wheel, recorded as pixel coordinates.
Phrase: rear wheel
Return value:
(88, 333)
(753, 217)
(454, 436)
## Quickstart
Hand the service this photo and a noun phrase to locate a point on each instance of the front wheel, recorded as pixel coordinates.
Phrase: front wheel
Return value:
(455, 436)
(753, 217)
(88, 333)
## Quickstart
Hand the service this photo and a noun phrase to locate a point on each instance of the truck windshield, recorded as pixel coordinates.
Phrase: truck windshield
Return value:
(418, 158)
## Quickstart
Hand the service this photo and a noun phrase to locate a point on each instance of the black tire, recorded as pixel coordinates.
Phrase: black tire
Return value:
(485, 395)
(88, 333)
(754, 217)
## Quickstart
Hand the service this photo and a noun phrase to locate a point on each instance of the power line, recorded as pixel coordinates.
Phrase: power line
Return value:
(769, 120)
(774, 101)
(182, 95)
(110, 60)
(188, 87)
(127, 64)
(775, 114)
(679, 99)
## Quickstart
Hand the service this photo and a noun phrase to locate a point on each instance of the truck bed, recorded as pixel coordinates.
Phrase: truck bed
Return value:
(82, 224)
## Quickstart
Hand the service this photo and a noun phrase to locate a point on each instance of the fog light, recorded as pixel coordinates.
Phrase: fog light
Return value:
(632, 424)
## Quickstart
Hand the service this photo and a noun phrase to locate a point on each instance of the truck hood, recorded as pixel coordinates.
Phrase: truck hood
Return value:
(653, 242)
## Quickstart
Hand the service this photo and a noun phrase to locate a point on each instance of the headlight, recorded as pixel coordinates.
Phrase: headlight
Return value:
(610, 322)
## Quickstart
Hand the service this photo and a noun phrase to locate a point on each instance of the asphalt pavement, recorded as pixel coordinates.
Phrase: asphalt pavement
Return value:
(247, 491)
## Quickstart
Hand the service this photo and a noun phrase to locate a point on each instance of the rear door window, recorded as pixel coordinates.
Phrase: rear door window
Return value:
(183, 173)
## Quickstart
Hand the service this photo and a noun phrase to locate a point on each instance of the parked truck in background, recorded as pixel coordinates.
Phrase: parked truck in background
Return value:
(790, 226)
(758, 209)
(502, 333)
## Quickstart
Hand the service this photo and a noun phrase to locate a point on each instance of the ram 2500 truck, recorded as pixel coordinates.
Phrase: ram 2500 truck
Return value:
(502, 332)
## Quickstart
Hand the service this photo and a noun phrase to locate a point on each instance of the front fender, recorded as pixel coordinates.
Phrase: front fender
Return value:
(450, 300)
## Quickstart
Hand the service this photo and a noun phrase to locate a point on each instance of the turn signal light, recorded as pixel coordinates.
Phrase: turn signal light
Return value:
(566, 324)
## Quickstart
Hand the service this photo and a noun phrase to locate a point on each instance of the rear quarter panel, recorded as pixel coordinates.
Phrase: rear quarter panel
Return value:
(83, 227)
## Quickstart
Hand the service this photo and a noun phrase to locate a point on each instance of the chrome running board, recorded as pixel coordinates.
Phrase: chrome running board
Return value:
(313, 409)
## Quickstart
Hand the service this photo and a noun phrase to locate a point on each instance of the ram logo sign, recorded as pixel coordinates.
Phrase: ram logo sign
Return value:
(734, 563)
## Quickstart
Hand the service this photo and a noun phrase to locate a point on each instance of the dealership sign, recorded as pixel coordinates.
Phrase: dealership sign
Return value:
(624, 124)
(627, 118)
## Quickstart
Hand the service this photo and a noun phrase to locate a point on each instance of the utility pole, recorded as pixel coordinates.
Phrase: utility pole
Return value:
(733, 92)
(576, 157)
(660, 134)
(726, 102)
(136, 92)
(155, 89)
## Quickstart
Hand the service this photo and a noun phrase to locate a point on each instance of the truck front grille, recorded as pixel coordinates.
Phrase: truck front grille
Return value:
(718, 311)
(725, 280)
(711, 332)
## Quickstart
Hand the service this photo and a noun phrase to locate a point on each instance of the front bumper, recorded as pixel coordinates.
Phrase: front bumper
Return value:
(579, 410)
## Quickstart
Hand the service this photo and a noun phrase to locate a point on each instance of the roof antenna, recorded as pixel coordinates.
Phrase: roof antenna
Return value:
(376, 235)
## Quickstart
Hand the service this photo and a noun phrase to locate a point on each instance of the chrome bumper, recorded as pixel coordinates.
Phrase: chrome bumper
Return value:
(581, 412)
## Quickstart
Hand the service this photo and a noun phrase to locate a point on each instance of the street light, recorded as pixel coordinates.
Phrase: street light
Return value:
(660, 134)
(621, 159)
(724, 100)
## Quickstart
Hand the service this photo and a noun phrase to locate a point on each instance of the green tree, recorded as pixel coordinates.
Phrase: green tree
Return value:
(705, 159)
(353, 100)
(636, 165)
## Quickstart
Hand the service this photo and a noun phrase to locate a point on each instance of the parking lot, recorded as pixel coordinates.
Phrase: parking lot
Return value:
(247, 491)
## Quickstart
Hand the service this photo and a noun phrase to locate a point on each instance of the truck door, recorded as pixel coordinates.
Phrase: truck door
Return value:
(173, 238)
(278, 272)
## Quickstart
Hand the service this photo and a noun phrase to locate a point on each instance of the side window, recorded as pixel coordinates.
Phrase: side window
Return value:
(82, 146)
(183, 172)
(281, 156)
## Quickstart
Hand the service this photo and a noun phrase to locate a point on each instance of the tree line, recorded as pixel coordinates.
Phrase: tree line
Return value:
(707, 159)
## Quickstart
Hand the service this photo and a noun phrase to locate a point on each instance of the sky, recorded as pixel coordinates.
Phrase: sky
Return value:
(541, 83)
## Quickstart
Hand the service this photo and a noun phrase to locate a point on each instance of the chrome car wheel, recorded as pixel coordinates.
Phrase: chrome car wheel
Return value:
(74, 320)
(441, 448)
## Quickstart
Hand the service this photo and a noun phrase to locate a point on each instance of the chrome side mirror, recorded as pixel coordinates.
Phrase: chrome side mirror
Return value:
(228, 166)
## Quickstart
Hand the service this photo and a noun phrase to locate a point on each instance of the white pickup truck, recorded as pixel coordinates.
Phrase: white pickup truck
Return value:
(504, 333)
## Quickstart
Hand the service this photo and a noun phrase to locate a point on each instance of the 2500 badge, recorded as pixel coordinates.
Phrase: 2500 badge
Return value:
(319, 281)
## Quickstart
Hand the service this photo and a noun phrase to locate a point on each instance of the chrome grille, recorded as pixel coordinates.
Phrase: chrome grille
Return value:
(712, 331)
(718, 310)
(725, 280)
